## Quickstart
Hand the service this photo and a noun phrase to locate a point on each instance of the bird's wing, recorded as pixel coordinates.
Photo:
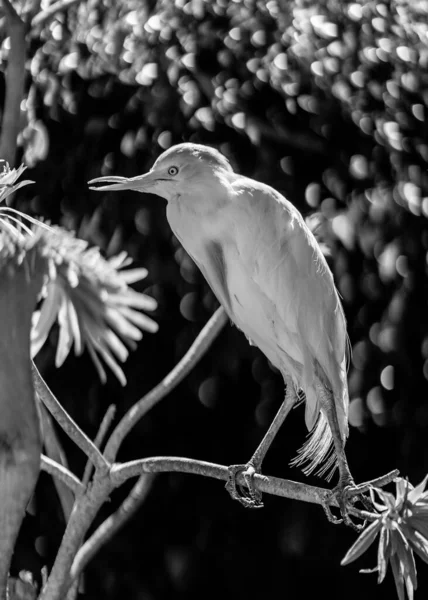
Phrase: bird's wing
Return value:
(212, 264)
(284, 260)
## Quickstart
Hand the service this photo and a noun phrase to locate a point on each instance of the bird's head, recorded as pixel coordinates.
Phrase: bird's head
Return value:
(177, 171)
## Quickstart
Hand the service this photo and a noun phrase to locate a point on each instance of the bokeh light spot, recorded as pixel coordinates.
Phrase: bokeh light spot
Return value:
(208, 391)
(356, 412)
(375, 402)
(387, 377)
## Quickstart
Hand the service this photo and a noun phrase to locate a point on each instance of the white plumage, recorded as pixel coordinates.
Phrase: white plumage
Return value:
(267, 270)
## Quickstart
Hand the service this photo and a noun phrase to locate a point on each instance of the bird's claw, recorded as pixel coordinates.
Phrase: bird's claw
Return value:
(345, 495)
(250, 497)
(330, 516)
(345, 499)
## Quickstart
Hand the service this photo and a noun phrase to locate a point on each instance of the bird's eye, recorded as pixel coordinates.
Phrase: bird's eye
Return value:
(172, 171)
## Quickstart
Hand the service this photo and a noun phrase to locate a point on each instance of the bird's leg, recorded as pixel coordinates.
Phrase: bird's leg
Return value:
(252, 499)
(346, 482)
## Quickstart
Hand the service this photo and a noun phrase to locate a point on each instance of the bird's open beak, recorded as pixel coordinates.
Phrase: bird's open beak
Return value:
(141, 183)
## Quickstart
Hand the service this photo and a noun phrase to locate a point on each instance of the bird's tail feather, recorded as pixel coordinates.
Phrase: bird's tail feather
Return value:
(317, 452)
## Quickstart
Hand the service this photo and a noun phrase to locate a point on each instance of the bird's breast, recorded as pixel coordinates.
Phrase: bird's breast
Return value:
(213, 243)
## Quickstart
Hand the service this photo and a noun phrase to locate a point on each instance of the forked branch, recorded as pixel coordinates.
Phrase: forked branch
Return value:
(66, 422)
(75, 553)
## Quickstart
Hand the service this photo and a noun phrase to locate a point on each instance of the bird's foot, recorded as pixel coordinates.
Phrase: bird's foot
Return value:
(347, 494)
(250, 497)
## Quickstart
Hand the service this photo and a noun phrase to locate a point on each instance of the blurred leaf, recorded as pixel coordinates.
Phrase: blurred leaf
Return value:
(92, 303)
(364, 541)
(382, 559)
(400, 535)
(85, 293)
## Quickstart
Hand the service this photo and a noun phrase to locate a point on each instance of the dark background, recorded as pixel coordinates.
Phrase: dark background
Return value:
(324, 101)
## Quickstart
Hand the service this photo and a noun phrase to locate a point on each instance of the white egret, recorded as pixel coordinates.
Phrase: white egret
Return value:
(267, 270)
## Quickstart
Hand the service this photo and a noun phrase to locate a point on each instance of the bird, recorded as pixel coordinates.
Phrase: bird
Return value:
(268, 272)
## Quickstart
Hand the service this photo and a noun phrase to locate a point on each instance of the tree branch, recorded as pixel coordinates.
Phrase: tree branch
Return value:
(29, 12)
(102, 432)
(66, 422)
(15, 78)
(111, 525)
(87, 506)
(270, 485)
(186, 364)
(54, 451)
(59, 472)
(71, 560)
(105, 424)
(51, 11)
(85, 510)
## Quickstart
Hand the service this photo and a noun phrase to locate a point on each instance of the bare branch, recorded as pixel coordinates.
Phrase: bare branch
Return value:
(60, 472)
(102, 432)
(111, 525)
(186, 364)
(15, 78)
(51, 11)
(105, 424)
(66, 422)
(71, 559)
(85, 510)
(378, 482)
(270, 485)
(54, 451)
(10, 12)
(30, 11)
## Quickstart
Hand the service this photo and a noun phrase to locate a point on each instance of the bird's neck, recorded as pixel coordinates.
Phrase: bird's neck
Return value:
(202, 202)
(196, 216)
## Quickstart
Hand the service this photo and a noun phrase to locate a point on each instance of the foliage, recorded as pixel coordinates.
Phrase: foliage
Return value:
(87, 294)
(325, 101)
(403, 528)
(341, 85)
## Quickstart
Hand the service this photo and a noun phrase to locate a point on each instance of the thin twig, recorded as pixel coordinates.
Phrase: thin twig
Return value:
(66, 422)
(102, 432)
(378, 482)
(59, 472)
(55, 452)
(51, 11)
(111, 525)
(186, 364)
(15, 79)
